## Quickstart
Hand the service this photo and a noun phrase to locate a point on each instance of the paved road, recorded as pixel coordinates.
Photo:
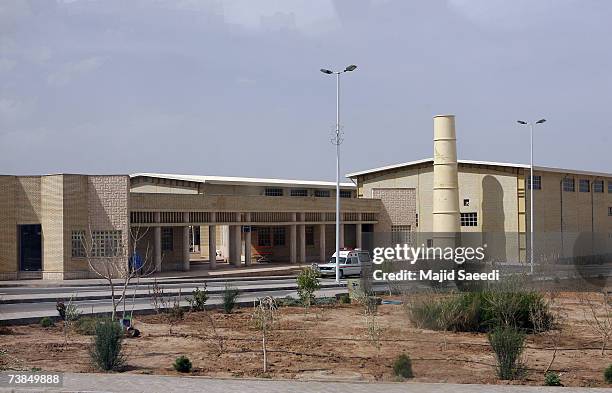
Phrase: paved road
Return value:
(164, 384)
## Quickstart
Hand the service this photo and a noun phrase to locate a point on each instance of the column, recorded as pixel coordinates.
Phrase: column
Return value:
(292, 241)
(341, 235)
(157, 253)
(212, 243)
(247, 241)
(237, 240)
(186, 254)
(302, 243)
(358, 232)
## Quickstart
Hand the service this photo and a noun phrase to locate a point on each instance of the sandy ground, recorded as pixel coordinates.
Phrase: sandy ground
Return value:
(328, 342)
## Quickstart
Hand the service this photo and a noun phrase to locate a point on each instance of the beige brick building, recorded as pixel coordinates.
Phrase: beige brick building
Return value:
(572, 209)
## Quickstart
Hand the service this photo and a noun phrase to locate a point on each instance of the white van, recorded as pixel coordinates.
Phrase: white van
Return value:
(351, 262)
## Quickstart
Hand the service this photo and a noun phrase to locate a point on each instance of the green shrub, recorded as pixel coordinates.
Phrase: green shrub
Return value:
(508, 344)
(344, 298)
(106, 349)
(402, 366)
(46, 322)
(229, 298)
(182, 364)
(288, 301)
(308, 283)
(608, 374)
(552, 379)
(199, 299)
(86, 326)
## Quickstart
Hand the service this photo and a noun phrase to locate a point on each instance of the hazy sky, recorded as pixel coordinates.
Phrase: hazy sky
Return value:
(233, 87)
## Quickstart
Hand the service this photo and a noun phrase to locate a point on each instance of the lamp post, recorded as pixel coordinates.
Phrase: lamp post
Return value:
(337, 140)
(531, 217)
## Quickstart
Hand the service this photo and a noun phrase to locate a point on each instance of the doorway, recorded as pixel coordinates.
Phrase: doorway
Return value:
(30, 248)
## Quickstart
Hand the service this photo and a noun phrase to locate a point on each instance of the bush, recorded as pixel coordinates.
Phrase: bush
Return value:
(86, 326)
(199, 299)
(106, 349)
(308, 283)
(344, 298)
(552, 379)
(402, 366)
(182, 364)
(508, 344)
(229, 298)
(46, 322)
(608, 374)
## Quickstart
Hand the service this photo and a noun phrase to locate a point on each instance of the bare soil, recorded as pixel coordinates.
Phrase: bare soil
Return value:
(326, 342)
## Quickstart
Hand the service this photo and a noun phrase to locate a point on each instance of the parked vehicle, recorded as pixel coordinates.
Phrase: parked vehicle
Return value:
(351, 262)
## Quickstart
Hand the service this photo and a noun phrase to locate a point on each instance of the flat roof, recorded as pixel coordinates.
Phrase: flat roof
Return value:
(246, 181)
(483, 163)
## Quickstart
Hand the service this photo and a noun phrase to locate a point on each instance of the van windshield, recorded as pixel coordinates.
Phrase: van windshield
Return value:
(333, 260)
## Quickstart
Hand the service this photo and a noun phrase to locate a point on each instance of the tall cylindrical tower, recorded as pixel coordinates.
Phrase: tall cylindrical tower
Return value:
(446, 221)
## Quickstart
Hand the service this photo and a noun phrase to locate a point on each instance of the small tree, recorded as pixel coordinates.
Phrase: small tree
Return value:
(598, 317)
(229, 298)
(508, 344)
(106, 350)
(198, 300)
(308, 283)
(264, 316)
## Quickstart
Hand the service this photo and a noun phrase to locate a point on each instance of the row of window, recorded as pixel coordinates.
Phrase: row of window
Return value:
(569, 184)
(302, 192)
(277, 236)
(102, 243)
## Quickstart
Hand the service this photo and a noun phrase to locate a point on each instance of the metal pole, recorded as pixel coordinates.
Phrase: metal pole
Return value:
(531, 200)
(337, 177)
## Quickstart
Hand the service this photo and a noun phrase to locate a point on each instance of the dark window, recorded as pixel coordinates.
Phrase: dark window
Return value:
(278, 236)
(310, 236)
(610, 211)
(585, 185)
(466, 202)
(569, 185)
(274, 192)
(322, 193)
(167, 241)
(400, 234)
(106, 243)
(469, 219)
(609, 187)
(299, 192)
(416, 219)
(78, 244)
(537, 182)
(263, 237)
(346, 193)
(598, 186)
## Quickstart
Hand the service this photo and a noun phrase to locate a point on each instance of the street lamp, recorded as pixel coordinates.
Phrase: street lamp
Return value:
(337, 140)
(531, 217)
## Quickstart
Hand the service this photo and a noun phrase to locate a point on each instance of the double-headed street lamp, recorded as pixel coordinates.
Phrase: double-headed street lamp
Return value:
(531, 187)
(337, 140)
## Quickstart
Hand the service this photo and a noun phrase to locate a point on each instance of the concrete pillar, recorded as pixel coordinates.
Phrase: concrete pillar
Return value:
(341, 235)
(358, 233)
(236, 243)
(212, 246)
(292, 241)
(322, 254)
(186, 254)
(157, 251)
(247, 241)
(302, 243)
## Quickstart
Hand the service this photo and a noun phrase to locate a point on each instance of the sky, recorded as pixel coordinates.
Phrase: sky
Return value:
(233, 88)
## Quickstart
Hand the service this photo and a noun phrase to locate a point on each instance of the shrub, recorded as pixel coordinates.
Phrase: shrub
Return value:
(344, 298)
(402, 366)
(86, 326)
(552, 379)
(229, 298)
(608, 374)
(508, 344)
(106, 349)
(46, 322)
(308, 283)
(182, 364)
(199, 299)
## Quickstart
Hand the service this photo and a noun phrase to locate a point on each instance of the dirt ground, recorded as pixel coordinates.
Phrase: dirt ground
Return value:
(327, 342)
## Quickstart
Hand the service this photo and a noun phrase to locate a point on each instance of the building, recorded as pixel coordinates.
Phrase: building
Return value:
(572, 209)
(179, 219)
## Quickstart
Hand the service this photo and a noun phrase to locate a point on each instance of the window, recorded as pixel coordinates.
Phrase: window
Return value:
(78, 244)
(279, 236)
(106, 243)
(322, 193)
(609, 186)
(469, 219)
(299, 192)
(466, 202)
(167, 240)
(584, 185)
(346, 193)
(568, 184)
(400, 234)
(598, 186)
(263, 237)
(310, 235)
(537, 182)
(416, 218)
(610, 211)
(274, 192)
